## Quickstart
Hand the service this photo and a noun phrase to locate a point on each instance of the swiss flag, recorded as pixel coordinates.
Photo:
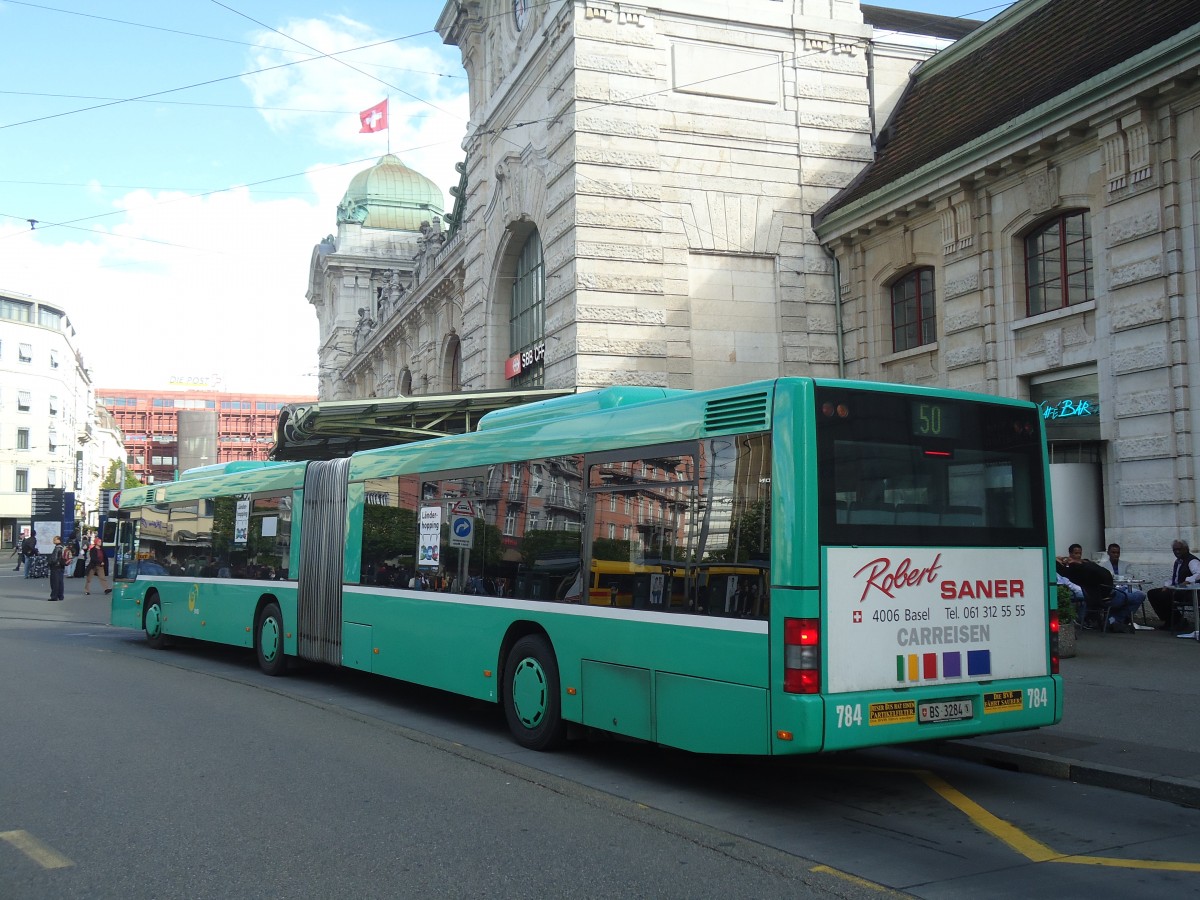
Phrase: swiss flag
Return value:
(374, 119)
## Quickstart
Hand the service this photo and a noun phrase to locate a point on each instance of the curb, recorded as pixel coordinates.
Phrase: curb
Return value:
(1159, 787)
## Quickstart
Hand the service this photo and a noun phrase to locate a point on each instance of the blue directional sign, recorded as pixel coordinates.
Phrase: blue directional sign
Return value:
(462, 532)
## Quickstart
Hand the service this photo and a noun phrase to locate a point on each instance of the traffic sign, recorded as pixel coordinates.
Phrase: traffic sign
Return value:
(462, 531)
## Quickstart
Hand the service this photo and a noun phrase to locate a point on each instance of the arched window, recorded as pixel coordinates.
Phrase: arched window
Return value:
(406, 383)
(913, 320)
(452, 373)
(527, 317)
(1058, 263)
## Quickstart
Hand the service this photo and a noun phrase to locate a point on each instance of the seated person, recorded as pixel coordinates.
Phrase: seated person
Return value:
(1095, 581)
(1185, 571)
(1127, 599)
(1076, 590)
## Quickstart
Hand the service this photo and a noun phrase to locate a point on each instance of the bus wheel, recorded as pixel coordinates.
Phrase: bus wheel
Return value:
(268, 640)
(532, 704)
(155, 636)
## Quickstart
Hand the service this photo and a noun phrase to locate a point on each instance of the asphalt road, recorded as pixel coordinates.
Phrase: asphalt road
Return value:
(127, 772)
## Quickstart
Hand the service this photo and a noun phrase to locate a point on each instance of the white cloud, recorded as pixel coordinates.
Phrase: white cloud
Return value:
(215, 284)
(428, 111)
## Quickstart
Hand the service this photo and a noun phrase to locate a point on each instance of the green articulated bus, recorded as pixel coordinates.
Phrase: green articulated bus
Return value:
(787, 566)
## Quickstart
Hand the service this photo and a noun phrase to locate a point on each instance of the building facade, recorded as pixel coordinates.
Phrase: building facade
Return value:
(361, 284)
(1028, 228)
(48, 436)
(648, 198)
(635, 200)
(166, 432)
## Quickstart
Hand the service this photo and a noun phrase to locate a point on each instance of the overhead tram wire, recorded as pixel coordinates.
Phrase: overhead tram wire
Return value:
(336, 60)
(333, 56)
(322, 55)
(211, 81)
(245, 106)
(206, 37)
(71, 223)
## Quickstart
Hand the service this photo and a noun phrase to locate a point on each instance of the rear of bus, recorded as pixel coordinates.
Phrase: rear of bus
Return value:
(932, 545)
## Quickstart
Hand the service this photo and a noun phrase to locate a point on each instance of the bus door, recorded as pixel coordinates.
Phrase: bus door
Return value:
(322, 552)
(117, 537)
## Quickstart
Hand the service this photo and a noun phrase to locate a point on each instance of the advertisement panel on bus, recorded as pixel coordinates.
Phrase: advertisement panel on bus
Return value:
(916, 616)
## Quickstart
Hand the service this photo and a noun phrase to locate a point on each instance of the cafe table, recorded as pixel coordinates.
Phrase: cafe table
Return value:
(1194, 590)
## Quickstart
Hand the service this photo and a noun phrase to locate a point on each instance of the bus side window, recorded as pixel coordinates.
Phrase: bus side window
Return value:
(962, 515)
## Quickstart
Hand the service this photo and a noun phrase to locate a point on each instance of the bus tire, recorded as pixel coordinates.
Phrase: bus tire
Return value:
(532, 702)
(268, 640)
(152, 622)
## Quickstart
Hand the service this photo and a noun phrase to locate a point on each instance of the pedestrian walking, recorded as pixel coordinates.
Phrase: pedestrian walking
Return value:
(60, 558)
(19, 556)
(29, 550)
(95, 566)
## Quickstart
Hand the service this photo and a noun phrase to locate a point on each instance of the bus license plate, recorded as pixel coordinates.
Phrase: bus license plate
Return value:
(945, 711)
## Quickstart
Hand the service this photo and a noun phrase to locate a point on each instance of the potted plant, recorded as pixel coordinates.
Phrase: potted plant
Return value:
(1066, 623)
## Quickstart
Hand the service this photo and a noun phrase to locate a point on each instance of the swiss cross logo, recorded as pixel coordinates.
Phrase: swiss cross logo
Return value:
(858, 617)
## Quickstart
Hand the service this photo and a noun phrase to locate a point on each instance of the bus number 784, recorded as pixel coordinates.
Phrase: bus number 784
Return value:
(848, 715)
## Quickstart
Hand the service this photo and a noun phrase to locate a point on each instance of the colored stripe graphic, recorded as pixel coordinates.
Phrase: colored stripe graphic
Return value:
(979, 662)
(924, 666)
(952, 664)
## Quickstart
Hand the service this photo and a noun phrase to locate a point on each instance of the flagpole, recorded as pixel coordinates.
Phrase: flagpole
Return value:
(389, 131)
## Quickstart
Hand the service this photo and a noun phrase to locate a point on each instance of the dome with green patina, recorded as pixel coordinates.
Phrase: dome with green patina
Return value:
(392, 196)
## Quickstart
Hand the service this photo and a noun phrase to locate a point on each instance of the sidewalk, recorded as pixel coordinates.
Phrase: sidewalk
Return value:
(1129, 722)
(1128, 710)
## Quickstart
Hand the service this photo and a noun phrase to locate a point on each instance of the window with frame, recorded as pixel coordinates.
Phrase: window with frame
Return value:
(52, 441)
(527, 315)
(24, 401)
(1058, 263)
(22, 438)
(25, 353)
(914, 323)
(53, 358)
(21, 482)
(698, 540)
(53, 405)
(16, 310)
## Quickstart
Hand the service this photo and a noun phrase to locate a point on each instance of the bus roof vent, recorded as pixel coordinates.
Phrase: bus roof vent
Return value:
(744, 412)
(134, 496)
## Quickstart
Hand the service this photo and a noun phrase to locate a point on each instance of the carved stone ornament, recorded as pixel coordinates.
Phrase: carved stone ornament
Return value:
(1043, 190)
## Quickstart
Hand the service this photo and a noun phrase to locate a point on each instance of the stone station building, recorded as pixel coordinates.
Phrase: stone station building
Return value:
(665, 196)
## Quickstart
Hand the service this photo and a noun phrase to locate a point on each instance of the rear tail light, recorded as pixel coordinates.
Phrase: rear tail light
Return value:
(1054, 629)
(801, 656)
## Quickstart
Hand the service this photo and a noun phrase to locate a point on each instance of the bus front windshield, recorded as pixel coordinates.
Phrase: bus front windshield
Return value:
(898, 469)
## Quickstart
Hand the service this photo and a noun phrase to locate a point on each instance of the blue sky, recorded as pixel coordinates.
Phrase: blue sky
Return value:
(182, 159)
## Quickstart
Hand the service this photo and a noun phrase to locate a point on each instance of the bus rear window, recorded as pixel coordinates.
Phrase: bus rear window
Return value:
(896, 469)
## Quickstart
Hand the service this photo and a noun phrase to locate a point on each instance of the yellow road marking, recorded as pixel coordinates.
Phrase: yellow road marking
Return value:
(1161, 865)
(1031, 848)
(993, 825)
(36, 850)
(853, 879)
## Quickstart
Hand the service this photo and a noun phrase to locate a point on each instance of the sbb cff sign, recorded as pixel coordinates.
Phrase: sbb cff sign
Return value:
(519, 362)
